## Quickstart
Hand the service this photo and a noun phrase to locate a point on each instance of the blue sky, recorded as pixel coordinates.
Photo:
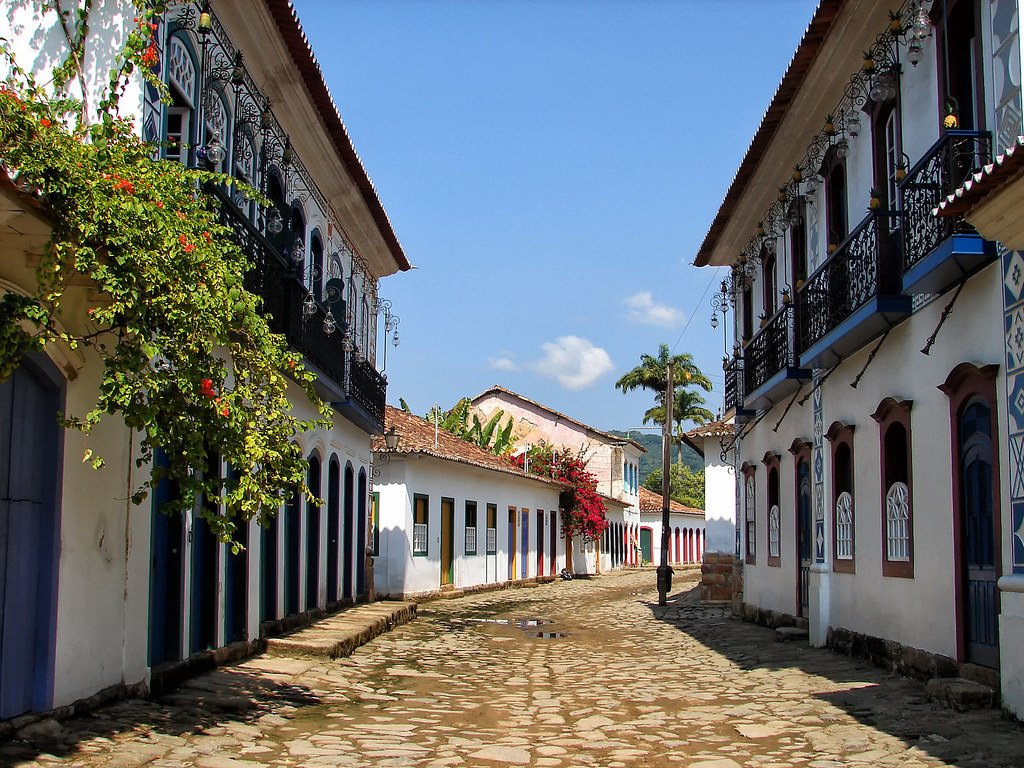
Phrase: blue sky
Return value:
(551, 167)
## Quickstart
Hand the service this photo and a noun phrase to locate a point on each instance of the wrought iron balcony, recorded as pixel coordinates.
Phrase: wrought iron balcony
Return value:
(367, 388)
(357, 390)
(770, 366)
(733, 384)
(939, 251)
(853, 297)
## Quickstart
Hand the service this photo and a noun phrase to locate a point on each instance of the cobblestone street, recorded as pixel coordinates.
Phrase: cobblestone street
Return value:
(612, 680)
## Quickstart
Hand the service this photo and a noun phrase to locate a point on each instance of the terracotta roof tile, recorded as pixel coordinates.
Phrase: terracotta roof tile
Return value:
(284, 14)
(652, 502)
(713, 429)
(992, 177)
(416, 436)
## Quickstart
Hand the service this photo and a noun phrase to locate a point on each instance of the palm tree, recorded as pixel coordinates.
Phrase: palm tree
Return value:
(651, 374)
(687, 403)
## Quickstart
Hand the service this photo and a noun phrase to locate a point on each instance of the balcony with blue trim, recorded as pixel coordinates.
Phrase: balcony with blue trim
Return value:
(939, 252)
(854, 297)
(770, 368)
(733, 404)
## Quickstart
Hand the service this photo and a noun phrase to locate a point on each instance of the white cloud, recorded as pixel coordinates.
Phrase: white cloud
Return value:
(502, 364)
(574, 362)
(644, 309)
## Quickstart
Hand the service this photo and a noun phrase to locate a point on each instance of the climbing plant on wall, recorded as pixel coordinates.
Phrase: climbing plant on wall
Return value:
(188, 362)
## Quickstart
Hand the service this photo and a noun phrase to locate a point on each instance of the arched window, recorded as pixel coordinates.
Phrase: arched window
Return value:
(769, 285)
(773, 502)
(833, 171)
(749, 517)
(798, 241)
(182, 84)
(840, 436)
(893, 419)
(316, 264)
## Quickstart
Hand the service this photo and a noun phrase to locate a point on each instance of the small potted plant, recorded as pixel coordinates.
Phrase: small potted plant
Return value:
(869, 62)
(759, 232)
(830, 125)
(798, 173)
(832, 248)
(950, 121)
(876, 199)
(782, 194)
(901, 171)
(895, 23)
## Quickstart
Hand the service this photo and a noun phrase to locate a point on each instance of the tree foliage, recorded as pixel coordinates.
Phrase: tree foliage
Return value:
(685, 485)
(583, 511)
(460, 421)
(188, 361)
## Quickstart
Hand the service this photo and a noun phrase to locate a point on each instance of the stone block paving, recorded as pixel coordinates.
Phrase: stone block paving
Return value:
(606, 678)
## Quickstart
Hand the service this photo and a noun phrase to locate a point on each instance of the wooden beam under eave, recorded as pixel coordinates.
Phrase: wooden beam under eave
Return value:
(999, 216)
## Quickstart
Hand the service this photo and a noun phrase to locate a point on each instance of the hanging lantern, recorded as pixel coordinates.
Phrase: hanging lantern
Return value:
(922, 29)
(795, 219)
(329, 325)
(714, 320)
(853, 125)
(215, 151)
(275, 223)
(298, 252)
(843, 148)
(915, 52)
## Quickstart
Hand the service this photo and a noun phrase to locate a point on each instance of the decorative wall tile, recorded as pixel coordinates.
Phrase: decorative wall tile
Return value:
(1013, 276)
(1015, 339)
(1017, 466)
(819, 473)
(1018, 537)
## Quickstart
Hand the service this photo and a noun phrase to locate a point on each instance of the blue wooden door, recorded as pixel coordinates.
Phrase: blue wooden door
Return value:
(333, 529)
(269, 536)
(29, 472)
(525, 543)
(803, 511)
(292, 552)
(977, 526)
(360, 556)
(167, 573)
(348, 534)
(313, 535)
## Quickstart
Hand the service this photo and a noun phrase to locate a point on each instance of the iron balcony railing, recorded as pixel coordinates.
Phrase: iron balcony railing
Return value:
(848, 279)
(368, 387)
(283, 295)
(942, 169)
(771, 350)
(733, 384)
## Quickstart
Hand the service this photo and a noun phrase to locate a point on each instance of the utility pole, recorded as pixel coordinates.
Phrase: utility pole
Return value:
(664, 570)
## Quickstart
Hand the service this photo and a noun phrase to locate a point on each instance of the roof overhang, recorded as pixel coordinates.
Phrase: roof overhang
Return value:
(810, 89)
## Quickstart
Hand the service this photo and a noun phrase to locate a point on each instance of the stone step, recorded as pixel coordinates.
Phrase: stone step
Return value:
(788, 634)
(960, 694)
(339, 635)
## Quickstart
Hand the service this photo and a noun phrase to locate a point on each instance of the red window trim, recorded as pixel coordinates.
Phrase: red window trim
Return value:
(891, 411)
(841, 433)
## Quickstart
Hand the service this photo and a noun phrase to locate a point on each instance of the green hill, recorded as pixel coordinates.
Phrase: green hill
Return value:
(652, 459)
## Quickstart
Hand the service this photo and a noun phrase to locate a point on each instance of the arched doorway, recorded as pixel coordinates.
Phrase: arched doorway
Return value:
(333, 528)
(349, 507)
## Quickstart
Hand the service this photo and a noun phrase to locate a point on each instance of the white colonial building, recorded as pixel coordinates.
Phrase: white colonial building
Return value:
(449, 515)
(100, 594)
(613, 460)
(881, 494)
(686, 534)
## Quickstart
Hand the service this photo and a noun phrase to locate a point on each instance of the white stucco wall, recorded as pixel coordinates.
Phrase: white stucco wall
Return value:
(918, 611)
(398, 572)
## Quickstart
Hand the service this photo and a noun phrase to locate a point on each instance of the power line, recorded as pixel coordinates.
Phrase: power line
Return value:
(714, 276)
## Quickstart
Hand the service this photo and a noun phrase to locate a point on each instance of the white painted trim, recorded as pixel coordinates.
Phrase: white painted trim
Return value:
(1011, 583)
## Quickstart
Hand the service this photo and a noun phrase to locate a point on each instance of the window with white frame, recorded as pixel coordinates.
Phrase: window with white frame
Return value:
(492, 529)
(897, 522)
(749, 517)
(774, 537)
(844, 526)
(420, 525)
(470, 527)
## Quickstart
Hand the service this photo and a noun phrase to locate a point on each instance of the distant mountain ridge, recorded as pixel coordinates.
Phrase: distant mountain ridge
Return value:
(652, 459)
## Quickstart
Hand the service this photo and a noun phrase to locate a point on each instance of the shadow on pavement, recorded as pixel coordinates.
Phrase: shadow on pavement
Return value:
(201, 705)
(890, 703)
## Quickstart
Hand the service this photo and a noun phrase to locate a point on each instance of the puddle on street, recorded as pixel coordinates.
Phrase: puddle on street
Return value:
(523, 624)
(526, 625)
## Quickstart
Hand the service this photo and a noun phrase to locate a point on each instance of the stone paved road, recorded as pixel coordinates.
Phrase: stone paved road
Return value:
(629, 684)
